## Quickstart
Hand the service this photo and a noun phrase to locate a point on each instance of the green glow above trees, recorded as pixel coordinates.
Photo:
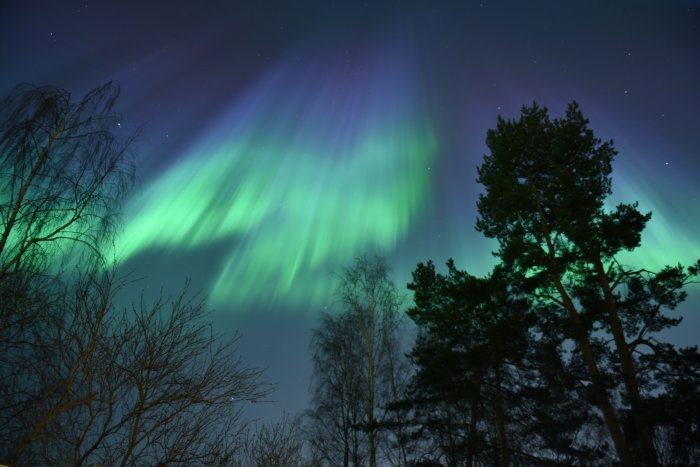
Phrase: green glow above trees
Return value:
(294, 187)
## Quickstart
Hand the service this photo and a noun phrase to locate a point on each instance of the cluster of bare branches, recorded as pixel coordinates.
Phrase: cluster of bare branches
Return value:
(276, 444)
(85, 381)
(148, 385)
(359, 368)
(64, 169)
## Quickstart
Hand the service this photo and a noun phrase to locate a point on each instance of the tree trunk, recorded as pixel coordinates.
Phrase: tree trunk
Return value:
(584, 345)
(642, 425)
(500, 422)
(601, 395)
(346, 448)
(471, 451)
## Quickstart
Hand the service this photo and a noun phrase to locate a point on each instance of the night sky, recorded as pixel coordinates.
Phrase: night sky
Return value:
(282, 139)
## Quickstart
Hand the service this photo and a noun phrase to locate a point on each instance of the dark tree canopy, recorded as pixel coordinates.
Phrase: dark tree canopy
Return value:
(555, 358)
(546, 182)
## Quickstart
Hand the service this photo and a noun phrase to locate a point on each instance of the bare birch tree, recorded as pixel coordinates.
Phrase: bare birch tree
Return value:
(64, 168)
(148, 385)
(356, 365)
(85, 381)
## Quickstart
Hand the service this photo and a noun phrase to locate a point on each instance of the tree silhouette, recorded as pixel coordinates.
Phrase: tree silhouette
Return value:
(279, 444)
(337, 413)
(557, 351)
(545, 185)
(64, 172)
(85, 381)
(461, 354)
(490, 385)
(356, 355)
(122, 387)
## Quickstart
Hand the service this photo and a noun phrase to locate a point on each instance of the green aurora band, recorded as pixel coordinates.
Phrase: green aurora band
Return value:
(299, 178)
(669, 238)
(319, 163)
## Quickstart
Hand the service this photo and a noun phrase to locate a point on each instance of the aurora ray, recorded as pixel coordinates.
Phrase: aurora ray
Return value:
(319, 162)
(666, 240)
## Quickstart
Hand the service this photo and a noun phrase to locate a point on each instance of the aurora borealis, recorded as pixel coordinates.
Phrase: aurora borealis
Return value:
(315, 164)
(282, 139)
